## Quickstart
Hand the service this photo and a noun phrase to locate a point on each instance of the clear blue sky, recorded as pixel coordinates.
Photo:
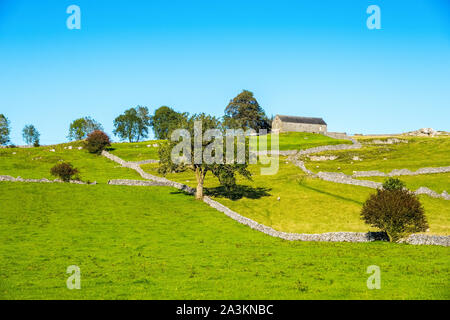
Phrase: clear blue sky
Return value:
(306, 58)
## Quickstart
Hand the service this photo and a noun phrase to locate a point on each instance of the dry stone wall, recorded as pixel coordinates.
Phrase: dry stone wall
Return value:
(327, 237)
(43, 180)
(339, 177)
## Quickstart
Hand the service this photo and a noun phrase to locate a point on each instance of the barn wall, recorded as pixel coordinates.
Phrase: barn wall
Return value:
(303, 127)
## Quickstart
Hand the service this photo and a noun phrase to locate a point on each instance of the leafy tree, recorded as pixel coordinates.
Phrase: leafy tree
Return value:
(31, 135)
(64, 171)
(133, 124)
(165, 120)
(224, 172)
(80, 128)
(393, 184)
(398, 212)
(97, 141)
(245, 112)
(4, 130)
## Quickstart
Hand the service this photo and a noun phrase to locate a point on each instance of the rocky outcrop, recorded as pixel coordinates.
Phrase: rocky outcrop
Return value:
(322, 158)
(388, 141)
(424, 132)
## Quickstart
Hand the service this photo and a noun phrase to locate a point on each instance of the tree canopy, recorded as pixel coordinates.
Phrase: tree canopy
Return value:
(165, 120)
(133, 124)
(244, 112)
(80, 128)
(31, 135)
(225, 172)
(4, 130)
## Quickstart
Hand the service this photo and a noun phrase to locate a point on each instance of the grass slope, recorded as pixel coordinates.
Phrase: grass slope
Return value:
(306, 205)
(417, 153)
(35, 163)
(156, 243)
(303, 140)
(136, 151)
(437, 182)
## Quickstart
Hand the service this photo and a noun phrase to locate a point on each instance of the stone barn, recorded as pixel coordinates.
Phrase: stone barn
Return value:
(298, 124)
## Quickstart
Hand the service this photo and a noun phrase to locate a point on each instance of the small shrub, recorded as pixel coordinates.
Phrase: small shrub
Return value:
(64, 171)
(97, 141)
(397, 212)
(393, 184)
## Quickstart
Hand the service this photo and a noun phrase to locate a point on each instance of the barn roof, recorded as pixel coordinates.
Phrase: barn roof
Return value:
(294, 119)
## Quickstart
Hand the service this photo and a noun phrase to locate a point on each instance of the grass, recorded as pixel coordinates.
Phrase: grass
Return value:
(437, 182)
(157, 243)
(306, 205)
(136, 151)
(417, 153)
(287, 141)
(303, 140)
(35, 163)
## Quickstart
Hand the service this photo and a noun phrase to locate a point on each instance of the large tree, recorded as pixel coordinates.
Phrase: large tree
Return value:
(225, 171)
(165, 120)
(80, 128)
(31, 135)
(133, 124)
(245, 112)
(4, 130)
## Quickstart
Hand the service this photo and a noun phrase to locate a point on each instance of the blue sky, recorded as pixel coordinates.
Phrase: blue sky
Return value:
(306, 58)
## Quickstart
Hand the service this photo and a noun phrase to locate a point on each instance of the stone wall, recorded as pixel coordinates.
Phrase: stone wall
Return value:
(280, 126)
(337, 135)
(43, 180)
(327, 237)
(127, 182)
(339, 177)
(400, 172)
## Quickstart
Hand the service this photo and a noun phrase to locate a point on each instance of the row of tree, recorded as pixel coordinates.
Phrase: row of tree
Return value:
(243, 112)
(29, 133)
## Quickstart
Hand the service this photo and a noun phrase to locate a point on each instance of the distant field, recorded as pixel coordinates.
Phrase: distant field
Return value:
(35, 163)
(136, 151)
(306, 205)
(417, 153)
(157, 243)
(303, 140)
(287, 141)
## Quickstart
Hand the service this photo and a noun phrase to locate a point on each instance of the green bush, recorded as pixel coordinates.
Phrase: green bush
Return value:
(398, 212)
(65, 171)
(393, 184)
(97, 141)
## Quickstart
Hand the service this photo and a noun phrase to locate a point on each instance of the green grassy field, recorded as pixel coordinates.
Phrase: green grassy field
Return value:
(136, 151)
(303, 140)
(417, 153)
(287, 141)
(157, 243)
(437, 182)
(35, 163)
(306, 205)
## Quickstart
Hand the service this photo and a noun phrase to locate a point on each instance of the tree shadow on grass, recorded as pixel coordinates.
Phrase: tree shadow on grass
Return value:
(330, 194)
(238, 192)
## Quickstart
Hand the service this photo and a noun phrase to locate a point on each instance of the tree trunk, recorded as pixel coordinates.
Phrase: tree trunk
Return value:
(200, 177)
